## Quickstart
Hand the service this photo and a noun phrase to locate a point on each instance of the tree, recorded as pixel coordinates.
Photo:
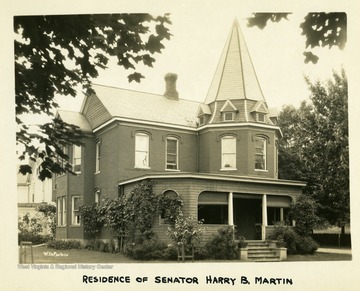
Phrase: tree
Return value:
(56, 54)
(320, 29)
(316, 147)
(304, 213)
(49, 212)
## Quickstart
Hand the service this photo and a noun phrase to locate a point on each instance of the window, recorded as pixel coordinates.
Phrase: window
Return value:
(228, 153)
(141, 150)
(121, 191)
(76, 159)
(260, 153)
(75, 215)
(213, 208)
(166, 212)
(63, 216)
(62, 161)
(98, 156)
(228, 116)
(97, 196)
(172, 153)
(59, 211)
(202, 120)
(276, 158)
(261, 117)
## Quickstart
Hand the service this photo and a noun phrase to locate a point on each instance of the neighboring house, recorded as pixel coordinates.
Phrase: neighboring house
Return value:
(220, 156)
(32, 192)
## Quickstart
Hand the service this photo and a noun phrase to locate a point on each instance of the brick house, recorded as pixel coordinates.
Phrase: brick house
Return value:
(219, 155)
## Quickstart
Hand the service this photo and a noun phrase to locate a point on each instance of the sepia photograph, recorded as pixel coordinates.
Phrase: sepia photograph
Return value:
(183, 146)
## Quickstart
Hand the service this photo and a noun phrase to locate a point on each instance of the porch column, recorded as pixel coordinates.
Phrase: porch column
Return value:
(230, 209)
(264, 217)
(281, 214)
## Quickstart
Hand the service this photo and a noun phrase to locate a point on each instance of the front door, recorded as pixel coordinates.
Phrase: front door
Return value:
(247, 218)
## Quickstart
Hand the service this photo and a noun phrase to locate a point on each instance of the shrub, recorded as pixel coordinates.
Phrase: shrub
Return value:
(93, 245)
(92, 219)
(222, 246)
(306, 245)
(295, 243)
(151, 249)
(31, 237)
(28, 224)
(64, 245)
(49, 212)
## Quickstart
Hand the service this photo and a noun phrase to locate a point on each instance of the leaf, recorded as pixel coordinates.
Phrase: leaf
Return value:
(310, 57)
(135, 77)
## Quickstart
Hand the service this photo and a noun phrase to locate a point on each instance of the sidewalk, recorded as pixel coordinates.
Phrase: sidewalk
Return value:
(334, 251)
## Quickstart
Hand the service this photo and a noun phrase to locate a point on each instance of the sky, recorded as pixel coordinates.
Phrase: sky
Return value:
(194, 50)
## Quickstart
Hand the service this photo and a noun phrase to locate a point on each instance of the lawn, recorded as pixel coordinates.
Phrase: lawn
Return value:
(319, 257)
(44, 255)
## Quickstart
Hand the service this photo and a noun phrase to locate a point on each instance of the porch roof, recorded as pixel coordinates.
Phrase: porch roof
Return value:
(219, 177)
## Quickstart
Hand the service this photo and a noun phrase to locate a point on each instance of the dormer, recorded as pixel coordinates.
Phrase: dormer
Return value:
(228, 111)
(260, 112)
(203, 114)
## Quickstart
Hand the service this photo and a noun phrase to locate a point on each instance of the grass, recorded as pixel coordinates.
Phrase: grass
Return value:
(44, 255)
(319, 257)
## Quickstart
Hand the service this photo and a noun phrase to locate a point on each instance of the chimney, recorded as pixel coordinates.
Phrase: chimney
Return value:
(170, 90)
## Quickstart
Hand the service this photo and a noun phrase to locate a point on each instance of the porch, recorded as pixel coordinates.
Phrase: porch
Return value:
(253, 216)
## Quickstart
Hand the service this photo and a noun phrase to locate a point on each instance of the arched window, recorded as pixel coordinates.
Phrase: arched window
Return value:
(170, 205)
(142, 150)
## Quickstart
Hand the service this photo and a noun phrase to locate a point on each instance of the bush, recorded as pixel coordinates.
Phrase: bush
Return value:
(151, 249)
(295, 243)
(64, 245)
(93, 245)
(36, 239)
(222, 246)
(30, 224)
(306, 245)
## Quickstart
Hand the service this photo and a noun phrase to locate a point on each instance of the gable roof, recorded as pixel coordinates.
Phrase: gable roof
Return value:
(203, 109)
(76, 118)
(259, 107)
(139, 106)
(228, 107)
(235, 77)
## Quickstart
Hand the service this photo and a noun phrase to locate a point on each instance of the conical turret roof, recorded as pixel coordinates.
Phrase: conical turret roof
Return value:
(235, 77)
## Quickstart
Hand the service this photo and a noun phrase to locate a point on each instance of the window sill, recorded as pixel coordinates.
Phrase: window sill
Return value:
(172, 170)
(259, 170)
(228, 169)
(142, 168)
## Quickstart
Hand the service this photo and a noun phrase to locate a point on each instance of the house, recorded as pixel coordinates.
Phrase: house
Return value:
(219, 155)
(32, 192)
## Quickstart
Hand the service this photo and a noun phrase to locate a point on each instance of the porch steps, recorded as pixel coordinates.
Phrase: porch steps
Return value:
(261, 251)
